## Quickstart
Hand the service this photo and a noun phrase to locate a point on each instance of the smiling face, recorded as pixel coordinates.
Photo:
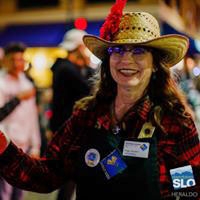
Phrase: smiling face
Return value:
(131, 67)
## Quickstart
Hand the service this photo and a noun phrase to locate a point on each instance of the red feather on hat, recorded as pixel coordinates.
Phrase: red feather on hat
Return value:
(111, 24)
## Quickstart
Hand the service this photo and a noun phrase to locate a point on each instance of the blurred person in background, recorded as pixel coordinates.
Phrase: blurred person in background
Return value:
(70, 77)
(70, 83)
(186, 81)
(19, 116)
(9, 106)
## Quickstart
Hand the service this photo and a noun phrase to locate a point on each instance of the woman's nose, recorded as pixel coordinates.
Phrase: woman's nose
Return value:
(127, 57)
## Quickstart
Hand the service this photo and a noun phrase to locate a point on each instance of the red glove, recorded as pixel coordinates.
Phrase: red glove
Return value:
(4, 142)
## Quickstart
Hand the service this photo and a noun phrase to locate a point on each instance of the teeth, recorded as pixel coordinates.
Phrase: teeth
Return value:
(128, 71)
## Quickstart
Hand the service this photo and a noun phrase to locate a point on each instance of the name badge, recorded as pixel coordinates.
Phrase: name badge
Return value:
(136, 149)
(147, 130)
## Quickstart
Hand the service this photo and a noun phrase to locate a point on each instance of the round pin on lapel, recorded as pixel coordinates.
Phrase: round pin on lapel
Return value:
(92, 157)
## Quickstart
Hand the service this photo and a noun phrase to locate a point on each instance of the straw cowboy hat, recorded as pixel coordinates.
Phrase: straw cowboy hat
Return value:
(139, 29)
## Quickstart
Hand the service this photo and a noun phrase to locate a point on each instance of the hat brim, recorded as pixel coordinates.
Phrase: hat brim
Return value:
(173, 47)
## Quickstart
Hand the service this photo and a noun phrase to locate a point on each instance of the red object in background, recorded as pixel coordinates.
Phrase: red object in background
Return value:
(48, 114)
(80, 23)
(3, 142)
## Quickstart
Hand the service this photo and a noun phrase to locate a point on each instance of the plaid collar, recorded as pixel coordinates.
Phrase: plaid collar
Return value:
(142, 109)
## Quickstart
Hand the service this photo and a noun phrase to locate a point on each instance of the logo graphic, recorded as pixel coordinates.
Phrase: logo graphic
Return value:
(113, 164)
(182, 177)
(112, 161)
(143, 147)
(92, 157)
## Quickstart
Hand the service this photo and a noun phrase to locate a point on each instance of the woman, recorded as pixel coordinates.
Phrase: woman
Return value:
(133, 135)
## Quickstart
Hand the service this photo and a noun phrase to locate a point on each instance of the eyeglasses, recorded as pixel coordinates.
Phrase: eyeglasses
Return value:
(120, 50)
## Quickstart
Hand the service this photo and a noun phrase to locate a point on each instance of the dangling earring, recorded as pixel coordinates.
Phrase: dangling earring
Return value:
(154, 73)
(154, 76)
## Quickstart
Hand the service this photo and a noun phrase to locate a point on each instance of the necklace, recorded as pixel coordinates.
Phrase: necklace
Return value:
(115, 119)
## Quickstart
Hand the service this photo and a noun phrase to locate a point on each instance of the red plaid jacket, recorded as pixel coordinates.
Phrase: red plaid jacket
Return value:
(178, 145)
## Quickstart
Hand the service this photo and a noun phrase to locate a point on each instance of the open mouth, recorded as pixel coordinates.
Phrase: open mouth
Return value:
(128, 72)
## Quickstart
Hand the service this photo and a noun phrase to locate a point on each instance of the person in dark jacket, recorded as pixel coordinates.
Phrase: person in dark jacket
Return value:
(70, 83)
(70, 77)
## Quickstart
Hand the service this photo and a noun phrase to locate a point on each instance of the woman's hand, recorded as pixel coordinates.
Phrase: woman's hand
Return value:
(4, 142)
(26, 94)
